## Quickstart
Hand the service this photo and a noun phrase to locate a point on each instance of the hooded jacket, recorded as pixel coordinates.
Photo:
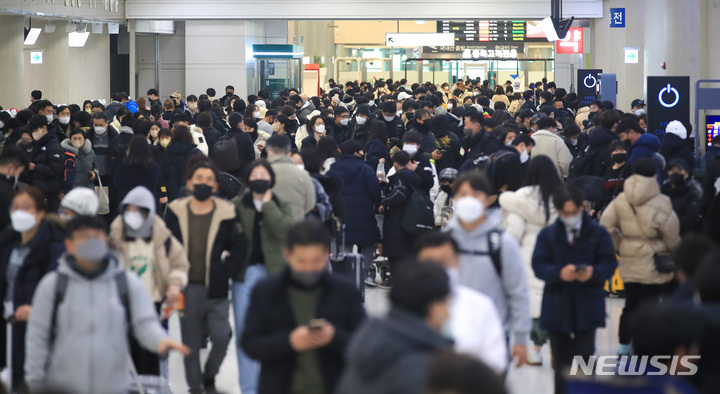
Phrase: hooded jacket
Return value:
(390, 355)
(509, 291)
(644, 148)
(224, 235)
(360, 191)
(293, 186)
(655, 229)
(686, 203)
(90, 353)
(84, 163)
(171, 264)
(524, 217)
(673, 147)
(598, 144)
(552, 146)
(396, 242)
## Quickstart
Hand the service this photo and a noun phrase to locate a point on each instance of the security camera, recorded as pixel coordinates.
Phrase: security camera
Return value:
(371, 63)
(347, 62)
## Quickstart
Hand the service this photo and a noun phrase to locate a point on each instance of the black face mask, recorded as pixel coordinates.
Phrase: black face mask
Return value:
(228, 94)
(446, 188)
(259, 186)
(410, 115)
(677, 179)
(619, 157)
(202, 192)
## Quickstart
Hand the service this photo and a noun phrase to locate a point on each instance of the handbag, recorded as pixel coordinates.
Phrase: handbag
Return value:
(664, 262)
(103, 200)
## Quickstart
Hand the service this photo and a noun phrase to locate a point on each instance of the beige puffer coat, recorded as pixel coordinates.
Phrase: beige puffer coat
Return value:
(660, 231)
(524, 217)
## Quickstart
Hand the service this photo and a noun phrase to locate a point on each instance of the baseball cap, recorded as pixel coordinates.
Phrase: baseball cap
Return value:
(637, 103)
(403, 96)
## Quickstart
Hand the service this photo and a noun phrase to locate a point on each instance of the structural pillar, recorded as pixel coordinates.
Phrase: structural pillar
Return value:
(12, 63)
(132, 66)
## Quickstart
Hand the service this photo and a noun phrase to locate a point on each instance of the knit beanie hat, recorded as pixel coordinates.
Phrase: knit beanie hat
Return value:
(82, 201)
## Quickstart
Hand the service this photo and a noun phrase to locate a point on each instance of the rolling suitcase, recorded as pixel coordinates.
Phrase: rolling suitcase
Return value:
(349, 265)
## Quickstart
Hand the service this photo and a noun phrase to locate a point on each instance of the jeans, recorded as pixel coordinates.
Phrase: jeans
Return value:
(636, 294)
(249, 369)
(564, 348)
(537, 335)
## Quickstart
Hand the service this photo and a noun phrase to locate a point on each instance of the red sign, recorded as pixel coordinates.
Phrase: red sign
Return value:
(573, 42)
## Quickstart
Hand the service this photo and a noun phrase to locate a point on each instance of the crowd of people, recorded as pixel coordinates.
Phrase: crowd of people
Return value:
(494, 218)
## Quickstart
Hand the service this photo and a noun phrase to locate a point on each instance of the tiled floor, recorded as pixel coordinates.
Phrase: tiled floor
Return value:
(533, 380)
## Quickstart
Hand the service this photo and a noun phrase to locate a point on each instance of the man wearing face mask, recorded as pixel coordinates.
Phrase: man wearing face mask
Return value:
(191, 111)
(13, 161)
(207, 228)
(491, 261)
(685, 194)
(46, 162)
(615, 175)
(395, 127)
(419, 163)
(361, 124)
(574, 256)
(637, 107)
(82, 314)
(301, 320)
(100, 137)
(393, 354)
(229, 92)
(341, 125)
(475, 324)
(479, 143)
(149, 249)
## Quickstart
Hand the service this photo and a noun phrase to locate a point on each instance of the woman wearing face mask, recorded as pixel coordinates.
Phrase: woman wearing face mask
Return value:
(318, 128)
(361, 124)
(87, 106)
(525, 213)
(175, 159)
(252, 111)
(153, 134)
(28, 250)
(265, 219)
(376, 146)
(149, 249)
(63, 116)
(86, 169)
(685, 194)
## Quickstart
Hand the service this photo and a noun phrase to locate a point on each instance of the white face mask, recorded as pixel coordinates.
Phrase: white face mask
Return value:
(256, 114)
(344, 122)
(388, 118)
(331, 116)
(449, 107)
(100, 130)
(469, 209)
(640, 111)
(371, 103)
(524, 156)
(276, 127)
(398, 113)
(22, 221)
(78, 144)
(133, 219)
(2, 125)
(571, 221)
(573, 142)
(476, 93)
(49, 118)
(301, 166)
(410, 149)
(64, 120)
(454, 275)
(361, 120)
(509, 143)
(320, 129)
(154, 133)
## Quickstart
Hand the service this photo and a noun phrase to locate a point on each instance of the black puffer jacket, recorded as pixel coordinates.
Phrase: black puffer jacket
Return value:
(174, 166)
(673, 147)
(685, 203)
(396, 242)
(49, 159)
(598, 144)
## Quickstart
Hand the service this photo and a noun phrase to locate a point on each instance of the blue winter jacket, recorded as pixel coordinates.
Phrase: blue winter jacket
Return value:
(573, 306)
(644, 148)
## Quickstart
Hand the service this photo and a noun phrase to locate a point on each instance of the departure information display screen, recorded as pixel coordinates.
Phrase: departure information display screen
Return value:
(491, 31)
(713, 128)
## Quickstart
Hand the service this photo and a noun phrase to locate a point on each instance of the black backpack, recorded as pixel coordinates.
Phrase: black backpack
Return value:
(494, 240)
(225, 154)
(419, 215)
(581, 164)
(491, 170)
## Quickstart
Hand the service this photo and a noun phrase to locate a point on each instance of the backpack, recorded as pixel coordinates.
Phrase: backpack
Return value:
(61, 287)
(482, 160)
(491, 169)
(494, 240)
(581, 164)
(419, 213)
(225, 154)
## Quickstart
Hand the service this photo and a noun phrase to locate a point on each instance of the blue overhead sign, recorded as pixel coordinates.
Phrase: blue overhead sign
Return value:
(617, 17)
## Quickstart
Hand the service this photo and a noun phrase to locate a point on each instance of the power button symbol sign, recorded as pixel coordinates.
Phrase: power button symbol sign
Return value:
(590, 81)
(669, 90)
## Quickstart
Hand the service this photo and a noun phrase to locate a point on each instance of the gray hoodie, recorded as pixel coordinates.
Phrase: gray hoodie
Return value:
(90, 353)
(509, 293)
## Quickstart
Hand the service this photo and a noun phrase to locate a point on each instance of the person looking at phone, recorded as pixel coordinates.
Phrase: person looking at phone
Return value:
(300, 320)
(574, 256)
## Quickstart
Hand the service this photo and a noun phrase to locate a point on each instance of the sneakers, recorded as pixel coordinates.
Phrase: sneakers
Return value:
(534, 358)
(386, 284)
(370, 281)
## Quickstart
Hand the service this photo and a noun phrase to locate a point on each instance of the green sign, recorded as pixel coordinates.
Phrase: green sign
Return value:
(274, 86)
